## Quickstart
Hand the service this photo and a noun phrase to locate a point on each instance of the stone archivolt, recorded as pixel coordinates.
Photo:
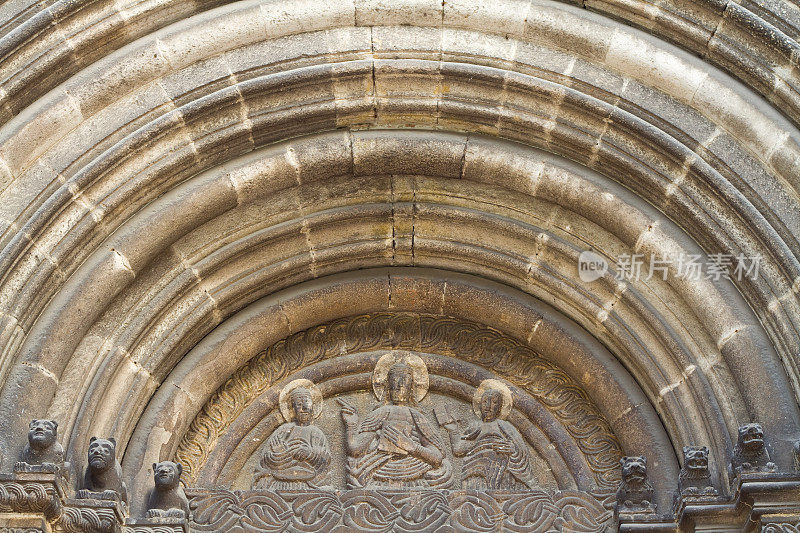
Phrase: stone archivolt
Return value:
(170, 165)
(483, 346)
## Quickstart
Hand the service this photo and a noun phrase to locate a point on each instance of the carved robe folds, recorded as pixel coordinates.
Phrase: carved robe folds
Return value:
(495, 457)
(297, 457)
(384, 464)
(495, 454)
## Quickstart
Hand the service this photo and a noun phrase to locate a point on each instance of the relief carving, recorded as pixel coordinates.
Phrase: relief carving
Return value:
(297, 454)
(750, 454)
(635, 494)
(495, 454)
(31, 497)
(507, 358)
(403, 511)
(395, 445)
(43, 453)
(103, 479)
(87, 520)
(782, 527)
(167, 499)
(695, 478)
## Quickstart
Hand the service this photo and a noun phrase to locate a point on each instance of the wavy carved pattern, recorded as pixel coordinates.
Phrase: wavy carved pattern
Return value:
(154, 529)
(29, 497)
(474, 343)
(87, 520)
(781, 528)
(399, 511)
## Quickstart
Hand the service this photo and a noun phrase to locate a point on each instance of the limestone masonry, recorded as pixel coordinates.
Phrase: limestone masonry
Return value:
(399, 266)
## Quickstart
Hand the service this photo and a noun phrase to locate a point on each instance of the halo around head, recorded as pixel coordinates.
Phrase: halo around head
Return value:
(487, 384)
(284, 400)
(418, 370)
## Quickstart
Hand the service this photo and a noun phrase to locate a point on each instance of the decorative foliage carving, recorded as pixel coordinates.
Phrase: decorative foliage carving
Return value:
(486, 347)
(402, 511)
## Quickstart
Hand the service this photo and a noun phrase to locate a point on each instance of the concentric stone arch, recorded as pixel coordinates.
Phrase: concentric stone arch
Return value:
(167, 167)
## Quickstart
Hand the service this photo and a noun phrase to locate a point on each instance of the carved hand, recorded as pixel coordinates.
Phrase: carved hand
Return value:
(349, 413)
(399, 440)
(300, 450)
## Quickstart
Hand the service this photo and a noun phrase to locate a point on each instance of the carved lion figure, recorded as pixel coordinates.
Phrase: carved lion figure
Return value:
(43, 452)
(103, 474)
(167, 499)
(635, 492)
(695, 477)
(750, 454)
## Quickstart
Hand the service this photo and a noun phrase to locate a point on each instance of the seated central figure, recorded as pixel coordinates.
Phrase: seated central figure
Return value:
(395, 446)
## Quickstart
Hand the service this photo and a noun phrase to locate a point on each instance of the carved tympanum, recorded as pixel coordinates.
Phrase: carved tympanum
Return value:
(507, 358)
(43, 453)
(297, 454)
(167, 499)
(695, 478)
(395, 445)
(750, 454)
(635, 494)
(103, 479)
(495, 454)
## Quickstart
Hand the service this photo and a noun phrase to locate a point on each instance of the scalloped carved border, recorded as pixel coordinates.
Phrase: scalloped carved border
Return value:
(477, 344)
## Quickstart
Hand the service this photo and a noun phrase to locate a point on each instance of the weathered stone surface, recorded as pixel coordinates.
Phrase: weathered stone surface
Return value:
(204, 202)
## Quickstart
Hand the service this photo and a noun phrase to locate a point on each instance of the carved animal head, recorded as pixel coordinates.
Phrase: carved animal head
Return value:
(695, 459)
(102, 454)
(634, 470)
(42, 434)
(167, 475)
(751, 438)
